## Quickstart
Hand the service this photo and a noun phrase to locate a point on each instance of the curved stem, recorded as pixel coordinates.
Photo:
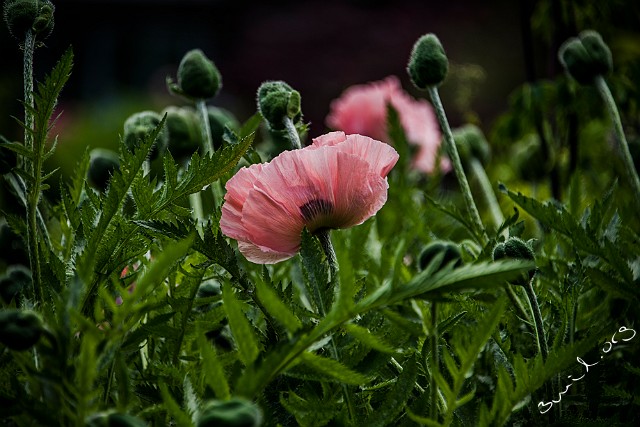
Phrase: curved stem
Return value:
(607, 97)
(292, 133)
(537, 317)
(452, 151)
(488, 192)
(205, 127)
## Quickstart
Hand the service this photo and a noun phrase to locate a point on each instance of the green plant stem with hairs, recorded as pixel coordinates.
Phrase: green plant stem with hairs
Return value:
(207, 139)
(452, 151)
(433, 387)
(325, 241)
(292, 133)
(612, 109)
(33, 167)
(487, 190)
(537, 317)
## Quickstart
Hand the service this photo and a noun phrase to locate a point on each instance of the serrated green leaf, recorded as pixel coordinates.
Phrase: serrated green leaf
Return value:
(213, 370)
(367, 338)
(333, 369)
(18, 148)
(276, 307)
(241, 330)
(180, 417)
(316, 272)
(309, 412)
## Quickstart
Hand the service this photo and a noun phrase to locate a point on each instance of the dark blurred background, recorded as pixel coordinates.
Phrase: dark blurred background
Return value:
(124, 50)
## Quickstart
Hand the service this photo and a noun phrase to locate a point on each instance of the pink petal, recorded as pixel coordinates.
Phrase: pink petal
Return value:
(261, 255)
(238, 188)
(329, 139)
(381, 157)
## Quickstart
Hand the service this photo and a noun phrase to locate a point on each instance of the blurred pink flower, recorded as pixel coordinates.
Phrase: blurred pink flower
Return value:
(362, 109)
(337, 182)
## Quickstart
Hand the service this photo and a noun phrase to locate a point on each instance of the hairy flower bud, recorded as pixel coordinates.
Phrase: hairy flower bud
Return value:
(183, 131)
(472, 143)
(585, 57)
(136, 128)
(515, 248)
(29, 15)
(20, 329)
(451, 253)
(218, 119)
(101, 166)
(198, 77)
(277, 100)
(235, 412)
(428, 63)
(15, 279)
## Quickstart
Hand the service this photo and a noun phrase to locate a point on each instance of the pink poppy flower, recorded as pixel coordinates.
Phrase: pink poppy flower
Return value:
(337, 182)
(362, 109)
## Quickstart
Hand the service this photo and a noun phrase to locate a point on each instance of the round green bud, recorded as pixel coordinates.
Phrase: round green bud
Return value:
(451, 253)
(138, 126)
(585, 57)
(515, 248)
(235, 412)
(15, 279)
(198, 77)
(210, 288)
(19, 329)
(29, 15)
(277, 100)
(218, 119)
(428, 63)
(113, 419)
(102, 163)
(471, 143)
(183, 130)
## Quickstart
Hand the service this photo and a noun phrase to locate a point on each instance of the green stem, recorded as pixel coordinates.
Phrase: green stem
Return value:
(433, 409)
(487, 190)
(537, 317)
(327, 247)
(33, 167)
(607, 97)
(205, 128)
(292, 133)
(452, 151)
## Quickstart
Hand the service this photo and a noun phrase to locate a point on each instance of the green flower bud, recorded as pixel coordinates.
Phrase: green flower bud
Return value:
(113, 419)
(277, 100)
(16, 278)
(236, 412)
(451, 253)
(198, 77)
(471, 143)
(515, 248)
(218, 119)
(136, 128)
(210, 288)
(102, 163)
(29, 15)
(19, 329)
(184, 132)
(428, 64)
(585, 57)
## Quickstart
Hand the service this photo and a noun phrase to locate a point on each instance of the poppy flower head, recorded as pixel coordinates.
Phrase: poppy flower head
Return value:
(337, 182)
(362, 109)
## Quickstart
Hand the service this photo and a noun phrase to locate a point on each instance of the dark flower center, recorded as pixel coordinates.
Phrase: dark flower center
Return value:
(314, 208)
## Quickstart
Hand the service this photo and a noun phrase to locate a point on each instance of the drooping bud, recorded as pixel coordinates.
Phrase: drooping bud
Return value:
(451, 253)
(471, 143)
(183, 130)
(277, 100)
(235, 412)
(15, 279)
(138, 126)
(20, 329)
(198, 77)
(113, 419)
(29, 15)
(515, 248)
(428, 63)
(585, 57)
(102, 163)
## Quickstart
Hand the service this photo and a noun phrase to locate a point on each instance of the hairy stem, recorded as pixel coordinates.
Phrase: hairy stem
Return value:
(205, 128)
(452, 151)
(33, 167)
(433, 408)
(537, 317)
(487, 190)
(292, 133)
(612, 109)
